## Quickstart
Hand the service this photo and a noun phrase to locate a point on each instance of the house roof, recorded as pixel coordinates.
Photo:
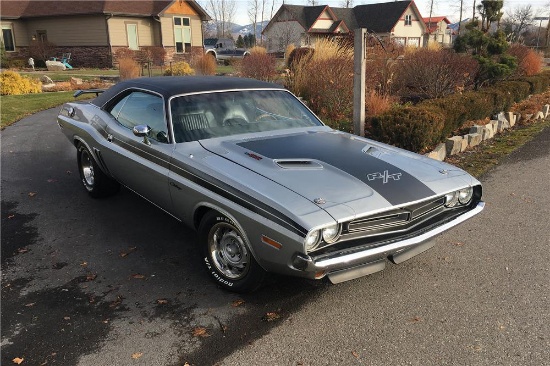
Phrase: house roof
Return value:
(378, 18)
(47, 8)
(434, 21)
(381, 17)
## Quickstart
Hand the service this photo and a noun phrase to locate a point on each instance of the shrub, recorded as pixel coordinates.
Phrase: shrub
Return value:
(376, 104)
(204, 64)
(324, 78)
(180, 68)
(154, 54)
(11, 83)
(128, 68)
(529, 62)
(297, 54)
(125, 53)
(412, 128)
(289, 50)
(259, 66)
(427, 74)
(42, 50)
(258, 50)
(459, 108)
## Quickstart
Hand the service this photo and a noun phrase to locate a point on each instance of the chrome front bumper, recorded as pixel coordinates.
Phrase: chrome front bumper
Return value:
(345, 265)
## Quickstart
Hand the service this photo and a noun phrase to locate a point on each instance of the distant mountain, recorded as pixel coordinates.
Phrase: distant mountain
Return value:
(236, 29)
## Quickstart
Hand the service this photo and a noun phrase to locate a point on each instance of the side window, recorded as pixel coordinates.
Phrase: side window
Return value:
(140, 108)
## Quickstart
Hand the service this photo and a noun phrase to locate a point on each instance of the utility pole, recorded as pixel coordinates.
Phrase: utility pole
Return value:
(460, 20)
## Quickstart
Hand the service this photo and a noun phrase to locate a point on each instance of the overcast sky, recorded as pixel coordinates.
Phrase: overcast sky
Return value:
(450, 8)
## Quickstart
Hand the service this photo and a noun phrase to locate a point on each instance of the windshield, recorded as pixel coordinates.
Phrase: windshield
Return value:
(205, 116)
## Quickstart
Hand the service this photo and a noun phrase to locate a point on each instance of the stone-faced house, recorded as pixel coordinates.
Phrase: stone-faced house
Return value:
(92, 31)
(302, 25)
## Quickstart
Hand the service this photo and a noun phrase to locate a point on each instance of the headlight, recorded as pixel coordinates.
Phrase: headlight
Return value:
(451, 199)
(465, 195)
(312, 240)
(331, 233)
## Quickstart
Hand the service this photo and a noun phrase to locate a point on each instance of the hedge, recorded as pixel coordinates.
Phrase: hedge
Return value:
(436, 119)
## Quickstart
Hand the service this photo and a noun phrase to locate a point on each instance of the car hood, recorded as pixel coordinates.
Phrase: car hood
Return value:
(335, 169)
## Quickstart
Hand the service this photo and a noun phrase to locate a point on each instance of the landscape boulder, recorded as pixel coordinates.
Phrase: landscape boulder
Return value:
(453, 145)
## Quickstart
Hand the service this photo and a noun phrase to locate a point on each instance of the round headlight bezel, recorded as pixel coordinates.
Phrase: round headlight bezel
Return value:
(313, 238)
(465, 195)
(331, 234)
(451, 199)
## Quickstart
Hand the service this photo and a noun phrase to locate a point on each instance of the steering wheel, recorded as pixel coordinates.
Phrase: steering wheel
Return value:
(234, 121)
(264, 116)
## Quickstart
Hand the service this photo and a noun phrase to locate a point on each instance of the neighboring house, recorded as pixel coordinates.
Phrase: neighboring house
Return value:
(92, 31)
(302, 25)
(438, 30)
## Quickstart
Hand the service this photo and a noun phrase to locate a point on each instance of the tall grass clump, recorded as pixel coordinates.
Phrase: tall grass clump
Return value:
(204, 64)
(324, 78)
(128, 68)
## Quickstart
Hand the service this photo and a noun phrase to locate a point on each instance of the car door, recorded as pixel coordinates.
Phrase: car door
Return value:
(140, 163)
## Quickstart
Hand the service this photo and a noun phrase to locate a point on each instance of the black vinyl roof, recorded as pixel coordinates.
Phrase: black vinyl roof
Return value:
(168, 86)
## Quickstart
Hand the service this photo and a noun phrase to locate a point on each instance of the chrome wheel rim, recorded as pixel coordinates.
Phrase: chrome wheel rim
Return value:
(228, 251)
(87, 168)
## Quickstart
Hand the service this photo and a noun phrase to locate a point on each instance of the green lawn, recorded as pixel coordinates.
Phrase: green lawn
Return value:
(15, 107)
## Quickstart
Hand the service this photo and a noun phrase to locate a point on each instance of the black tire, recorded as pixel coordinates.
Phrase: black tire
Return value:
(226, 255)
(95, 181)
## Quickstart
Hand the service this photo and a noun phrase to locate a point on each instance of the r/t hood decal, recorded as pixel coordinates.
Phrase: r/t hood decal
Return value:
(394, 184)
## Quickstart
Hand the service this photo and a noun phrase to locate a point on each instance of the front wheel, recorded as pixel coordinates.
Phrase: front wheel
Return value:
(95, 181)
(226, 255)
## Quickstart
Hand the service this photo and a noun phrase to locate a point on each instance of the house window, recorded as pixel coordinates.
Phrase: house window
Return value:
(131, 32)
(42, 35)
(182, 34)
(400, 40)
(408, 19)
(413, 41)
(7, 38)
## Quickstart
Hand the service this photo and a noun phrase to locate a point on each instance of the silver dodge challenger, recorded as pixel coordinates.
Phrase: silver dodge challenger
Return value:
(267, 186)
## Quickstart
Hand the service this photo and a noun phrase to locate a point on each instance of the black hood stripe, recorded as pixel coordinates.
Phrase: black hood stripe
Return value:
(392, 183)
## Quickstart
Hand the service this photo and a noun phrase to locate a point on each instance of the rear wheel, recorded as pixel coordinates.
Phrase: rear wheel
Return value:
(227, 257)
(95, 181)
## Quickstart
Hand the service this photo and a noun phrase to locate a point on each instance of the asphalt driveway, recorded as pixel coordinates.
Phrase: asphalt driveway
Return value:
(117, 281)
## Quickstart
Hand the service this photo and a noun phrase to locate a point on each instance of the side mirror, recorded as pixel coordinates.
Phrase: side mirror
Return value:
(142, 131)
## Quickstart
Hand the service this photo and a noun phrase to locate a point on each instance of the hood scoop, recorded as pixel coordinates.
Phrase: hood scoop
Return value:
(298, 164)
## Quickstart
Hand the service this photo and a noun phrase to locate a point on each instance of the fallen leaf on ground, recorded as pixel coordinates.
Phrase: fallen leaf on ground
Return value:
(66, 318)
(130, 250)
(22, 250)
(138, 276)
(83, 264)
(52, 180)
(117, 302)
(18, 360)
(416, 319)
(162, 301)
(355, 354)
(137, 355)
(91, 276)
(237, 303)
(30, 304)
(200, 332)
(271, 316)
(11, 217)
(32, 194)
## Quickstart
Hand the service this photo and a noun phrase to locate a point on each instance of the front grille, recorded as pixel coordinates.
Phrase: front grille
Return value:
(397, 220)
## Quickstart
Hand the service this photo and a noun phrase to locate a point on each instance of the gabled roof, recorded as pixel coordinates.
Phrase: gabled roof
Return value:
(381, 17)
(47, 8)
(306, 16)
(434, 21)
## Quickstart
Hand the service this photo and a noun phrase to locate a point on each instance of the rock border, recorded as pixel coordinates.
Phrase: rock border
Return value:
(478, 133)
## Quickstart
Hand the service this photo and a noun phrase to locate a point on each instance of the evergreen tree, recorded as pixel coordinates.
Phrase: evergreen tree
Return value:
(240, 42)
